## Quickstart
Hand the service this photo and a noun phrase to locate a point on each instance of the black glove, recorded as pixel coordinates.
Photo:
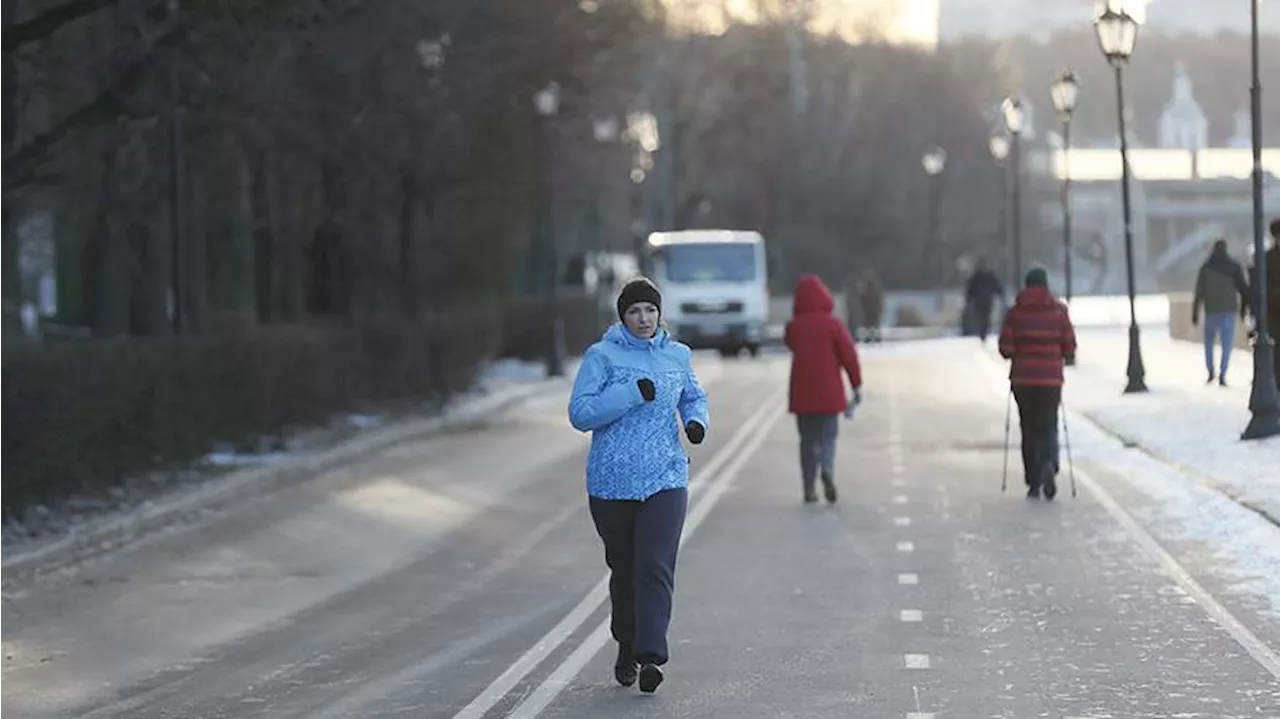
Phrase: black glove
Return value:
(695, 432)
(646, 389)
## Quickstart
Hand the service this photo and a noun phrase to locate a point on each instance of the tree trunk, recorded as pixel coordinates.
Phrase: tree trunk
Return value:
(263, 235)
(10, 284)
(408, 287)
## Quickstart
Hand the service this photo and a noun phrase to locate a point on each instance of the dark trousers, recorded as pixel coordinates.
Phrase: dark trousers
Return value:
(640, 544)
(1038, 416)
(982, 320)
(817, 445)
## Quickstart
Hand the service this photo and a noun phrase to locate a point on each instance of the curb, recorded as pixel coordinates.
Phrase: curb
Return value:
(113, 533)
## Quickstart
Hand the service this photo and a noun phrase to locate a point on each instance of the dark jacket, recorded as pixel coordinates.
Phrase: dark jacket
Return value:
(821, 348)
(1038, 337)
(984, 289)
(1220, 282)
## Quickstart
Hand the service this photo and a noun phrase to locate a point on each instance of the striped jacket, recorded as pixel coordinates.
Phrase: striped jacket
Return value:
(1038, 337)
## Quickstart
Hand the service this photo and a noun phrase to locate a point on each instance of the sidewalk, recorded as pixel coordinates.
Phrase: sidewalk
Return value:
(1181, 421)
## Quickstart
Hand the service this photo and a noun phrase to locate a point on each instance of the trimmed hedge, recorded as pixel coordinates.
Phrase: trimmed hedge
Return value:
(87, 415)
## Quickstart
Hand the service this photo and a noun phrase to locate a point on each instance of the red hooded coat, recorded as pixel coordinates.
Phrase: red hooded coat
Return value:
(820, 348)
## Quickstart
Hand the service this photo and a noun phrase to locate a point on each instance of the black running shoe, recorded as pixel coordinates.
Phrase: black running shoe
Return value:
(650, 678)
(829, 487)
(625, 668)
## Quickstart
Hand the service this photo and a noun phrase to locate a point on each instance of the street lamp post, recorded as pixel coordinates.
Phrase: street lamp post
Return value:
(999, 145)
(1117, 33)
(1263, 401)
(605, 131)
(546, 102)
(1015, 118)
(935, 161)
(1064, 92)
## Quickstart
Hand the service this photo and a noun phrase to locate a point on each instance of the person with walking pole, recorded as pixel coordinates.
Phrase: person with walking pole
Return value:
(629, 389)
(1039, 339)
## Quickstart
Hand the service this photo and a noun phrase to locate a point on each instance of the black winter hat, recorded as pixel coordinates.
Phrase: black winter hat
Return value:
(641, 289)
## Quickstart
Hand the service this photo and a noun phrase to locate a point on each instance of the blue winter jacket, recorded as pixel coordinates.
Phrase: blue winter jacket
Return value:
(635, 445)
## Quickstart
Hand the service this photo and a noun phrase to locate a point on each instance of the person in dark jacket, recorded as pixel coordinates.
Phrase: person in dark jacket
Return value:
(872, 299)
(628, 391)
(821, 348)
(981, 294)
(1220, 282)
(1039, 339)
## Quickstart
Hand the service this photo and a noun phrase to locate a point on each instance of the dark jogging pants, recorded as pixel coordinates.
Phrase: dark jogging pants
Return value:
(641, 539)
(1038, 416)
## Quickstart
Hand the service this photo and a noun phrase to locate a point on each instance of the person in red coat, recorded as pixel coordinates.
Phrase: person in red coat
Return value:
(821, 348)
(1039, 338)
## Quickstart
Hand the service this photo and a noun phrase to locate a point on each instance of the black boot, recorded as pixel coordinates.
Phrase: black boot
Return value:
(650, 678)
(829, 487)
(810, 496)
(1048, 480)
(625, 667)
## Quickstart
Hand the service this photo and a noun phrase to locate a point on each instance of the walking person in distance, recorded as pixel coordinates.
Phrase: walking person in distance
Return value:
(821, 350)
(1218, 285)
(1039, 339)
(627, 392)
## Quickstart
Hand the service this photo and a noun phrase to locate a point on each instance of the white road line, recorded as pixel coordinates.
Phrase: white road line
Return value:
(908, 579)
(911, 615)
(1251, 643)
(560, 677)
(898, 482)
(733, 451)
(906, 547)
(902, 521)
(919, 715)
(916, 661)
(899, 499)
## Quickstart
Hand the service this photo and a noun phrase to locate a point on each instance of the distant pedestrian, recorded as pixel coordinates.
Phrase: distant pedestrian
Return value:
(872, 298)
(821, 349)
(981, 294)
(1218, 285)
(630, 387)
(1039, 338)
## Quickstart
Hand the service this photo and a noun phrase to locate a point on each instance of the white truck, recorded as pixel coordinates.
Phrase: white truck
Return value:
(715, 287)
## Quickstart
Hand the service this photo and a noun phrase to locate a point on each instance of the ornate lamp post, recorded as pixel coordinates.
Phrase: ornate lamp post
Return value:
(1064, 92)
(1015, 118)
(934, 161)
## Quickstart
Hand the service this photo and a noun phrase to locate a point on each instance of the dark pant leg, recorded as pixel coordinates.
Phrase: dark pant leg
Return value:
(828, 431)
(657, 540)
(616, 524)
(1273, 328)
(1038, 417)
(810, 448)
(982, 317)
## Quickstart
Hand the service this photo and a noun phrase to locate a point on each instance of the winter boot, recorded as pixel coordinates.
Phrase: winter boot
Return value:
(650, 678)
(625, 667)
(828, 487)
(1047, 480)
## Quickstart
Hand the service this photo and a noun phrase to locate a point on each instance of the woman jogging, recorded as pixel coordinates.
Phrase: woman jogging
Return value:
(627, 392)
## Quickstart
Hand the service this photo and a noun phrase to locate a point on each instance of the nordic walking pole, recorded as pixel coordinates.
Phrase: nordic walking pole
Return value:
(1004, 478)
(1066, 437)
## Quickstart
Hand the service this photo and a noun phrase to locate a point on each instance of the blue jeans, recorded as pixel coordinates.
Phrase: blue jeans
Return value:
(817, 445)
(1223, 327)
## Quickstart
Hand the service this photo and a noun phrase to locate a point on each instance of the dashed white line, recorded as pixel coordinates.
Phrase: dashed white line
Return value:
(898, 482)
(908, 579)
(911, 615)
(902, 521)
(919, 715)
(916, 661)
(906, 547)
(899, 499)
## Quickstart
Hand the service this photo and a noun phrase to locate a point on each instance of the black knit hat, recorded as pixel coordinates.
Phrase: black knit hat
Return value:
(638, 290)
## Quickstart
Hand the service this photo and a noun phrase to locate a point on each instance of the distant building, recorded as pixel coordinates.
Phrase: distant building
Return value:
(1183, 123)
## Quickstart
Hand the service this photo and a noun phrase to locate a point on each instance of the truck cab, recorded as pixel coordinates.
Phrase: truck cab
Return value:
(714, 283)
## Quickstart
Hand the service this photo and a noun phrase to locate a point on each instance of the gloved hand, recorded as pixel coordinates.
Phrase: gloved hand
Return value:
(857, 395)
(646, 389)
(695, 432)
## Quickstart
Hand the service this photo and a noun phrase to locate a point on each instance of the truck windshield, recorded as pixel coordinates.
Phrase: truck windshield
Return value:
(710, 262)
